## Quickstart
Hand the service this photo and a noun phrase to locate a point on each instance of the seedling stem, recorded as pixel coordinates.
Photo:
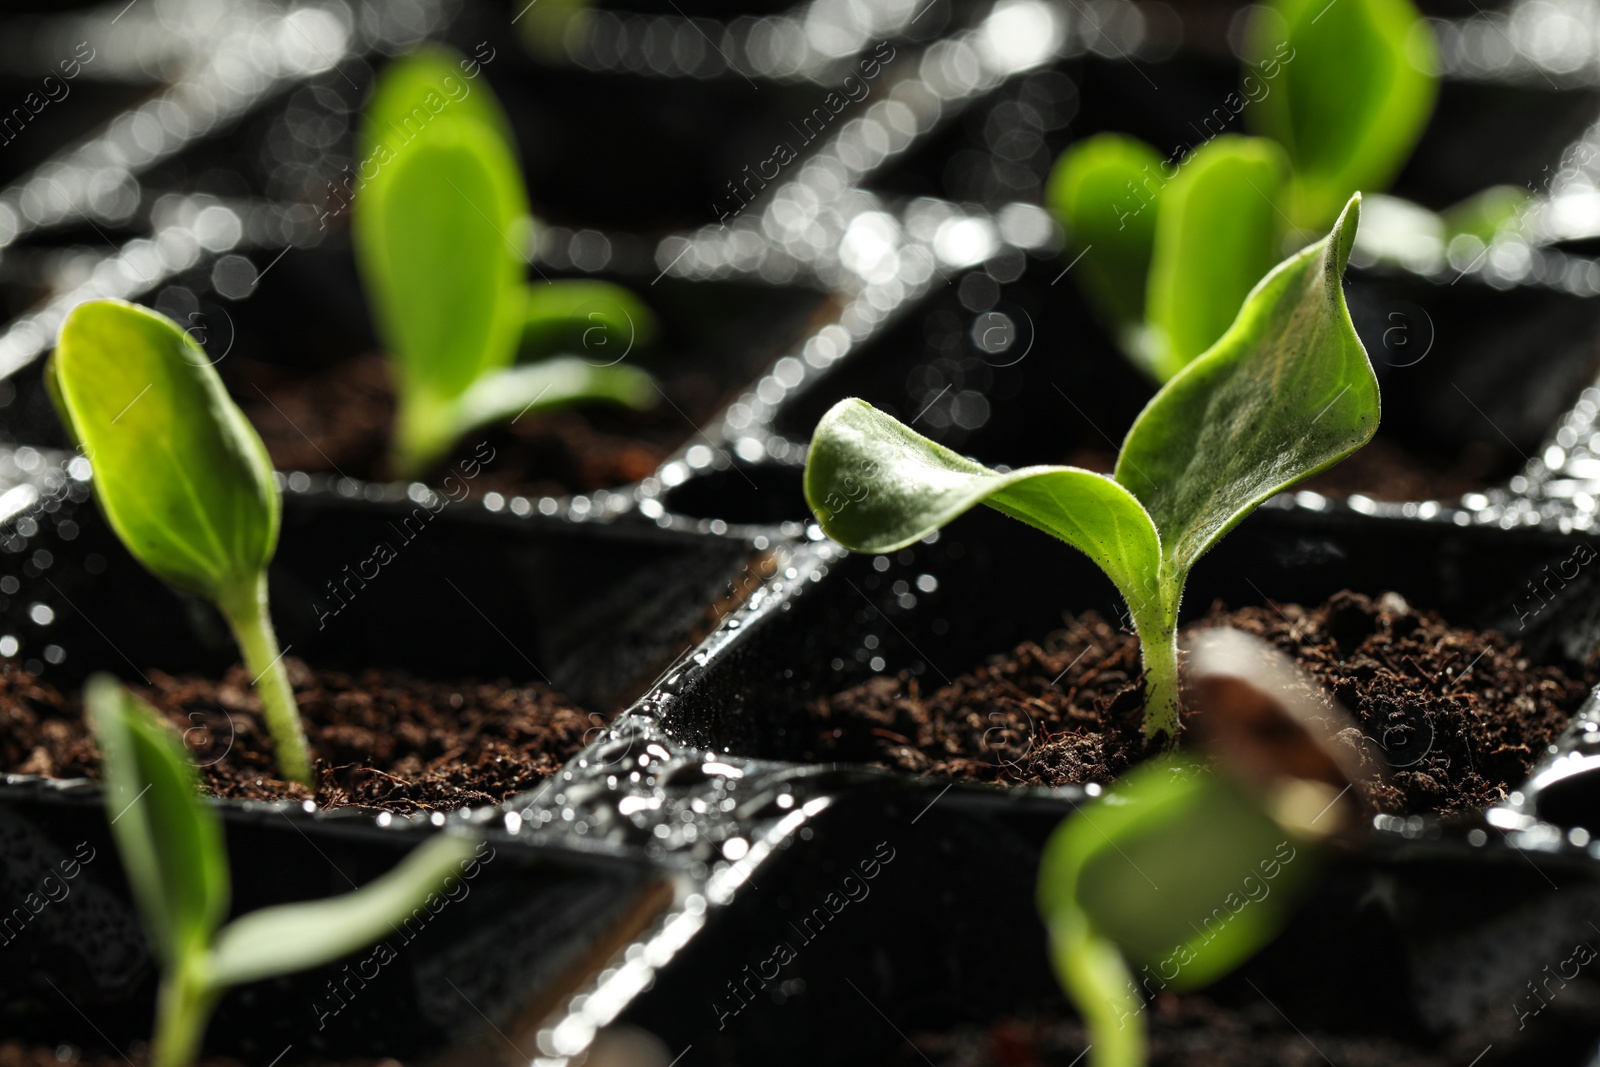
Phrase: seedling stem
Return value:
(248, 616)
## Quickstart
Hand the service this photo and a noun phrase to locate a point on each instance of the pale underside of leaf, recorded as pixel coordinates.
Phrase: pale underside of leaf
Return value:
(292, 937)
(877, 486)
(607, 320)
(171, 846)
(548, 384)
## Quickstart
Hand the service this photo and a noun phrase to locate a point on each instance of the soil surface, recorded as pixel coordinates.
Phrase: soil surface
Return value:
(1190, 1030)
(1456, 717)
(1384, 470)
(338, 421)
(380, 739)
(16, 1054)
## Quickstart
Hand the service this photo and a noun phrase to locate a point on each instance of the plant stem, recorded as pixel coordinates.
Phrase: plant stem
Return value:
(182, 1009)
(1096, 977)
(1159, 650)
(423, 433)
(251, 621)
(1155, 620)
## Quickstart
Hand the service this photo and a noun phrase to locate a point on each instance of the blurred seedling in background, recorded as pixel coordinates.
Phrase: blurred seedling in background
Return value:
(443, 233)
(182, 478)
(1287, 392)
(1167, 248)
(176, 861)
(1183, 871)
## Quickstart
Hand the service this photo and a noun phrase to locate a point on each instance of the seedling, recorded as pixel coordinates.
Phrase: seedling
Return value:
(183, 479)
(1181, 872)
(1288, 391)
(1173, 879)
(173, 852)
(441, 230)
(1169, 247)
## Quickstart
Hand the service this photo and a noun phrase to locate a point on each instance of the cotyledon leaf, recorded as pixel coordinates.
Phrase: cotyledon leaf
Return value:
(292, 937)
(876, 486)
(1353, 94)
(1104, 192)
(171, 846)
(1220, 230)
(181, 475)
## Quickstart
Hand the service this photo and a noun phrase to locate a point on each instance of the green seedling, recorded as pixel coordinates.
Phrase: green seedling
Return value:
(1181, 872)
(441, 229)
(173, 852)
(1287, 392)
(183, 479)
(1174, 878)
(1166, 249)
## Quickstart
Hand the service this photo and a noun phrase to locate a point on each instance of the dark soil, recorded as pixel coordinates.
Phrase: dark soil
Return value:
(1385, 470)
(1190, 1030)
(381, 739)
(1456, 716)
(16, 1054)
(338, 421)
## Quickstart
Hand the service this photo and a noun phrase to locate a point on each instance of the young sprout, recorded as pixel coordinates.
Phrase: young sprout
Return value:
(1176, 877)
(182, 478)
(442, 232)
(1285, 393)
(173, 852)
(1181, 872)
(1170, 247)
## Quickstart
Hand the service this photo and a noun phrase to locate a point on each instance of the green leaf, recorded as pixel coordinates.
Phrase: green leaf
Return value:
(1355, 83)
(1288, 391)
(293, 937)
(413, 92)
(171, 846)
(182, 477)
(1483, 215)
(1219, 231)
(1181, 869)
(1104, 192)
(552, 383)
(604, 321)
(877, 486)
(439, 238)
